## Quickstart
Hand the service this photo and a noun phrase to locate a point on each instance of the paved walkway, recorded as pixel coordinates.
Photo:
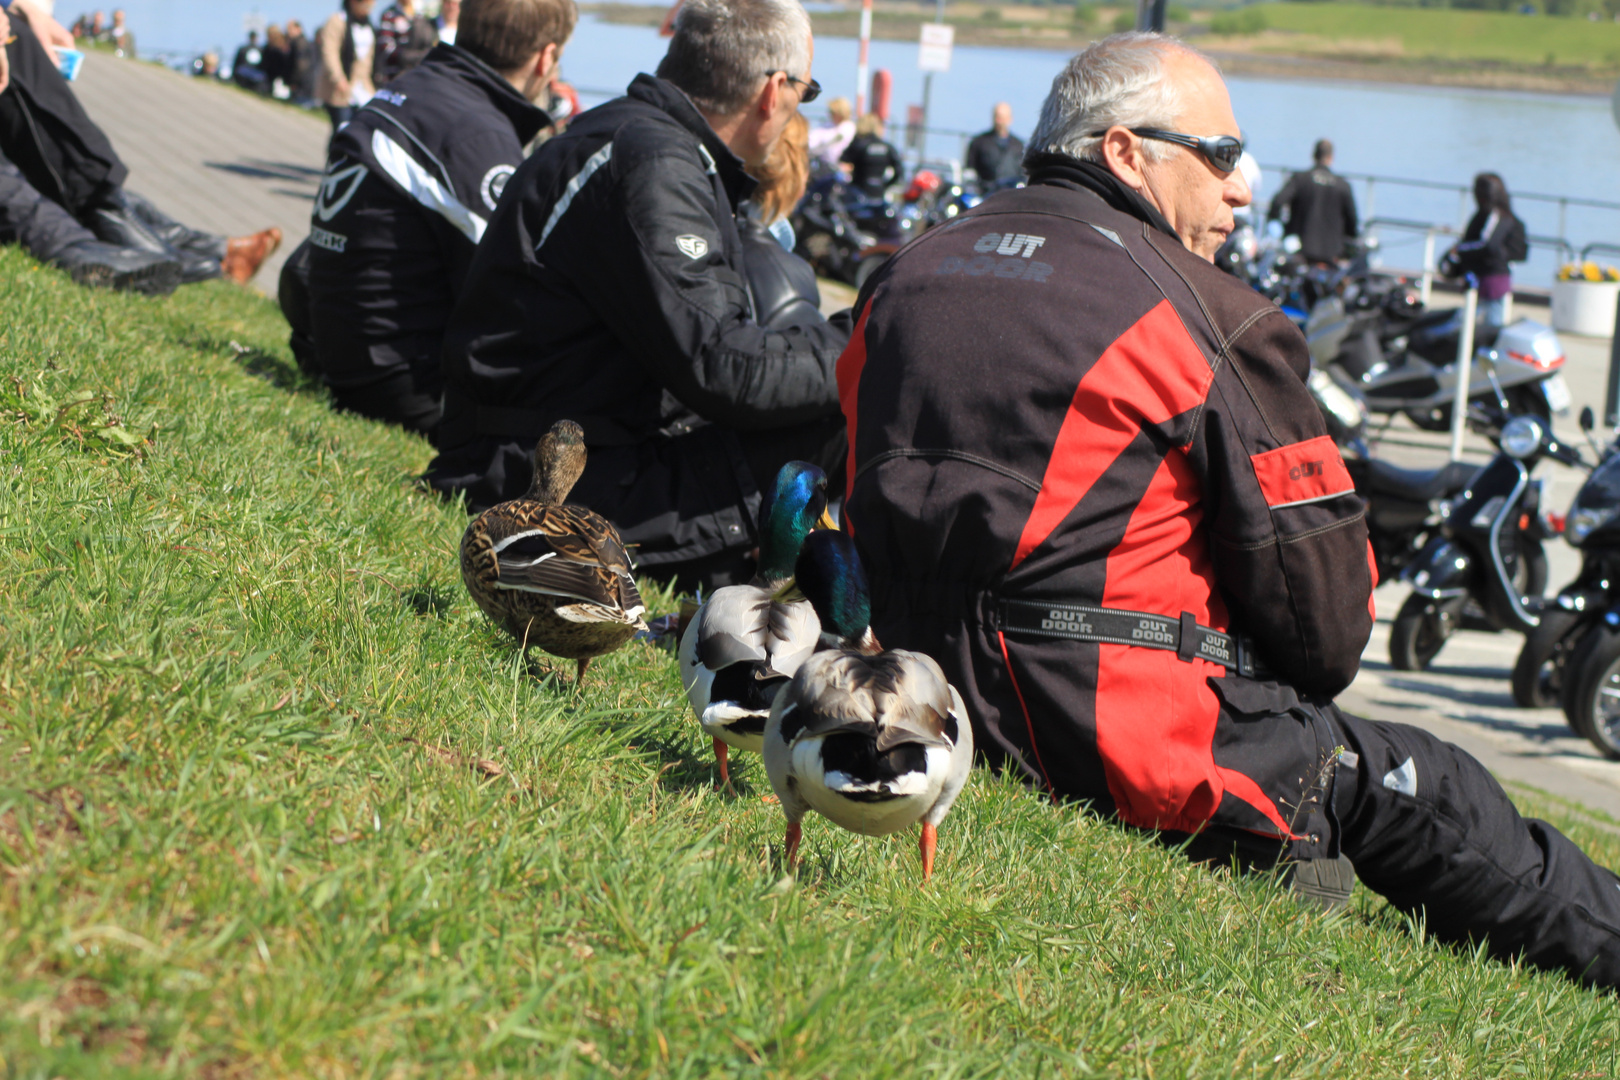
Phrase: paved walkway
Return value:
(209, 155)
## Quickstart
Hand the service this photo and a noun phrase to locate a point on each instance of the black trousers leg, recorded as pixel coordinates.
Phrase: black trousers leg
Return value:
(47, 134)
(1428, 827)
(28, 218)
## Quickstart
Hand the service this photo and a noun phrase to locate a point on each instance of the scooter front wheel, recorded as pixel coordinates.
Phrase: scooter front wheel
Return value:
(1421, 629)
(1594, 707)
(1539, 674)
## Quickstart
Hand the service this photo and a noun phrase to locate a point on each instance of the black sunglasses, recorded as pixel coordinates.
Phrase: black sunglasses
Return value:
(811, 91)
(1221, 151)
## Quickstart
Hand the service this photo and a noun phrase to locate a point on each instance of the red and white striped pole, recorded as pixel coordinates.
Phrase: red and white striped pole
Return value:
(863, 67)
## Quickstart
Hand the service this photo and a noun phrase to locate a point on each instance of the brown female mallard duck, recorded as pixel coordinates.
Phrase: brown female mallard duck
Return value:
(552, 575)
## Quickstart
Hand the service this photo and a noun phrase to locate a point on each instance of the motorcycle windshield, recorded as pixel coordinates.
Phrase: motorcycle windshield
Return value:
(1602, 489)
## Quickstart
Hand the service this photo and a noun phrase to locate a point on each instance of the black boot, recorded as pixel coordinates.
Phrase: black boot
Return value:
(115, 222)
(91, 262)
(182, 238)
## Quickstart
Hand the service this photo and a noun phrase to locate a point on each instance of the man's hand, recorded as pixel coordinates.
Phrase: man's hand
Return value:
(52, 34)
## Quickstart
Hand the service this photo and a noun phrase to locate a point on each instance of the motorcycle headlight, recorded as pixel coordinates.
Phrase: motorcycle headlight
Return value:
(1583, 521)
(1521, 437)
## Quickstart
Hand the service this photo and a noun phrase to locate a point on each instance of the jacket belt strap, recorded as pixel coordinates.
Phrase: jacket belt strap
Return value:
(1116, 626)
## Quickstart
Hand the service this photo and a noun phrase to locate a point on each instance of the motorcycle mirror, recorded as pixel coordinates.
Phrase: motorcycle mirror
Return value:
(1588, 421)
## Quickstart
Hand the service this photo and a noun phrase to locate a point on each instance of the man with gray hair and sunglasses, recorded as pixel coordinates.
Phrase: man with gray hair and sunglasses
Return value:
(1085, 476)
(610, 290)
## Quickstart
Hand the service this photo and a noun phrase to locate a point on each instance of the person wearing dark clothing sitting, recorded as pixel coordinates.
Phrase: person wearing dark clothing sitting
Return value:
(1319, 208)
(997, 156)
(610, 291)
(874, 164)
(48, 233)
(409, 189)
(1494, 238)
(247, 68)
(46, 134)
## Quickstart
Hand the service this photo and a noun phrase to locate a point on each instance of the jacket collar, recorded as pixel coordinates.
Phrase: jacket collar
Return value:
(526, 117)
(1060, 170)
(668, 98)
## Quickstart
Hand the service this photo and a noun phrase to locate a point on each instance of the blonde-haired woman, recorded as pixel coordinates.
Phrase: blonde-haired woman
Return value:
(782, 284)
(828, 143)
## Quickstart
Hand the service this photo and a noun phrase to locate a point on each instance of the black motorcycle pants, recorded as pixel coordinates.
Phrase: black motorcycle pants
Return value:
(1429, 828)
(1433, 832)
(47, 134)
(28, 218)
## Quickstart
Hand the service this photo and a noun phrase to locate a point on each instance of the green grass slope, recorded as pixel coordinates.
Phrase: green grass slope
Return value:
(1454, 34)
(275, 800)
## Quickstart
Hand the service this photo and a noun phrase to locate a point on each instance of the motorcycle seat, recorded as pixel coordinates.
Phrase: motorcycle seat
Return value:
(1416, 485)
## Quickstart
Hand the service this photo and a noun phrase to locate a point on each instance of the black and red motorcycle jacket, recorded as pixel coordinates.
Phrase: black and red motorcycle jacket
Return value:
(1084, 473)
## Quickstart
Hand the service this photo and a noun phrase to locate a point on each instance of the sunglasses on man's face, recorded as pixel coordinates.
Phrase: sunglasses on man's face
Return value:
(1221, 151)
(811, 91)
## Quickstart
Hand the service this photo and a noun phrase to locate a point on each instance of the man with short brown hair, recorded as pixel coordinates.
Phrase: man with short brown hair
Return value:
(409, 186)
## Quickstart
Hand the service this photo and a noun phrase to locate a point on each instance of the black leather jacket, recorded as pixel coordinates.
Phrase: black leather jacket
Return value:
(409, 189)
(611, 291)
(782, 284)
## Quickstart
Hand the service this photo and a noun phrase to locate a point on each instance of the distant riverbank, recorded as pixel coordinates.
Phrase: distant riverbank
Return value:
(1381, 56)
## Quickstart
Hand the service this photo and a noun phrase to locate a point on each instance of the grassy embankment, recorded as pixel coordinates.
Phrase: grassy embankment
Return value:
(276, 800)
(1343, 40)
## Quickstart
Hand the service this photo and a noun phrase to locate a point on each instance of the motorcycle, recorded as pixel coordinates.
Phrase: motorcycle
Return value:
(1545, 667)
(1486, 559)
(844, 233)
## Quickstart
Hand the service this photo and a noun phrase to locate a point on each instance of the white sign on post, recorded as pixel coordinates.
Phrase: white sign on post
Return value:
(934, 50)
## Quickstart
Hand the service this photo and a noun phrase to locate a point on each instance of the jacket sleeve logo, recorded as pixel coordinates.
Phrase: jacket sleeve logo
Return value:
(337, 188)
(693, 247)
(1010, 244)
(1302, 472)
(494, 183)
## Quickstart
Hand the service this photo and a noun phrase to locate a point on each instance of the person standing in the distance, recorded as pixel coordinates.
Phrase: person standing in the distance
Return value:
(448, 21)
(300, 64)
(828, 142)
(247, 68)
(404, 37)
(1494, 238)
(1320, 208)
(122, 38)
(347, 47)
(874, 164)
(997, 156)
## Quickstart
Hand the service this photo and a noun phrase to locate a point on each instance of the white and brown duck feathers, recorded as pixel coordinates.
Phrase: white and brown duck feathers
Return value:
(553, 575)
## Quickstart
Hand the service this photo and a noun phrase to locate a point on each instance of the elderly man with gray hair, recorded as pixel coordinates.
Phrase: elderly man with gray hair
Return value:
(610, 290)
(1087, 478)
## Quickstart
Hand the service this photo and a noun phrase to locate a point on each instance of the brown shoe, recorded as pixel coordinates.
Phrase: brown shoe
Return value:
(245, 254)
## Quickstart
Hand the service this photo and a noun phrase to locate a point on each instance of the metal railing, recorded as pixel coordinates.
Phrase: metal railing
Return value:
(1465, 194)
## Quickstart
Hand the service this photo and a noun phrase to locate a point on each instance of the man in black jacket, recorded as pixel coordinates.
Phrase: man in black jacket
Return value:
(408, 192)
(997, 156)
(1087, 478)
(610, 291)
(1320, 208)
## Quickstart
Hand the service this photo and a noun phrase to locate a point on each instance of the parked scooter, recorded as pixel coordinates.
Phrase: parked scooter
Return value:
(1479, 571)
(1544, 669)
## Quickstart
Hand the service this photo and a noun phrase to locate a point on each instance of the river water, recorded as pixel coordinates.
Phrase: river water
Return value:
(1552, 144)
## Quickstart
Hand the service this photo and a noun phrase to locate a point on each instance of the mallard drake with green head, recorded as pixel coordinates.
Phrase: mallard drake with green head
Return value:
(744, 644)
(873, 740)
(552, 575)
